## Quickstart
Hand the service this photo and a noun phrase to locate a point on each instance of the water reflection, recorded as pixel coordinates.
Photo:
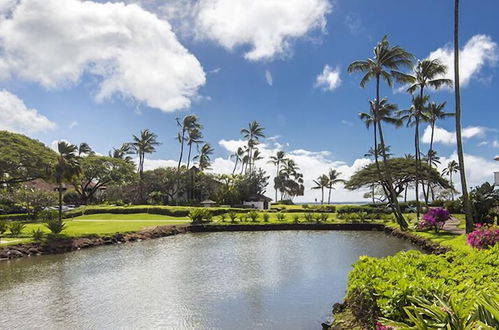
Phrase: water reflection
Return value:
(260, 280)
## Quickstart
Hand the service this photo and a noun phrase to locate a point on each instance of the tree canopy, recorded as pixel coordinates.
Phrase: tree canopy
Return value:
(23, 159)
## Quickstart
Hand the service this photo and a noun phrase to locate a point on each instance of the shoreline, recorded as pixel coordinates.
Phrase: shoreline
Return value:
(84, 242)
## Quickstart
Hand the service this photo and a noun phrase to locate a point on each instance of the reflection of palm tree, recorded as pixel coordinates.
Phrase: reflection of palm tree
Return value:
(321, 183)
(452, 167)
(277, 161)
(252, 134)
(238, 156)
(333, 178)
(203, 157)
(459, 142)
(66, 168)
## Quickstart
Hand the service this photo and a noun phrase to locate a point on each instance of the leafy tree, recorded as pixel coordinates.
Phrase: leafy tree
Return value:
(101, 171)
(484, 199)
(65, 169)
(452, 167)
(23, 159)
(459, 140)
(34, 200)
(384, 65)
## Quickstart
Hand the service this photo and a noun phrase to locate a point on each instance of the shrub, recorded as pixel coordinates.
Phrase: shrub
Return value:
(3, 226)
(243, 218)
(266, 217)
(232, 216)
(15, 217)
(223, 216)
(253, 215)
(435, 218)
(483, 237)
(309, 217)
(280, 216)
(324, 216)
(454, 206)
(305, 206)
(364, 208)
(317, 217)
(198, 215)
(296, 218)
(16, 228)
(38, 234)
(55, 225)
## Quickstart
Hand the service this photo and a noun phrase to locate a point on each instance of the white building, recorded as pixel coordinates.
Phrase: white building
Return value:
(259, 202)
(496, 174)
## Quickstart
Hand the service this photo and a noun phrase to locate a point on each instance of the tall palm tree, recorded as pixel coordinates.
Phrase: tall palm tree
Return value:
(452, 167)
(238, 156)
(122, 152)
(66, 168)
(460, 151)
(144, 144)
(413, 116)
(277, 161)
(84, 149)
(432, 160)
(406, 188)
(384, 65)
(252, 134)
(194, 137)
(203, 157)
(189, 122)
(321, 183)
(333, 179)
(433, 112)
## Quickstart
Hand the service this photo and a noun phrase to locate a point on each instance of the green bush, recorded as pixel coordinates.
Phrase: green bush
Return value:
(317, 217)
(383, 287)
(223, 216)
(324, 216)
(296, 218)
(232, 216)
(3, 226)
(309, 217)
(37, 234)
(363, 208)
(280, 216)
(199, 215)
(454, 206)
(15, 217)
(54, 225)
(253, 215)
(16, 228)
(266, 217)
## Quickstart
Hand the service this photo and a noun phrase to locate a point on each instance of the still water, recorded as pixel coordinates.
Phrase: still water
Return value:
(239, 280)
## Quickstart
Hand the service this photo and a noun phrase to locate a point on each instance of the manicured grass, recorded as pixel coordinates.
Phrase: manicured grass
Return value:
(133, 216)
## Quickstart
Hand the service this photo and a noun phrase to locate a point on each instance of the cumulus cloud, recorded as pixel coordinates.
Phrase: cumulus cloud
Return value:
(135, 54)
(329, 79)
(267, 27)
(478, 52)
(15, 116)
(478, 169)
(441, 135)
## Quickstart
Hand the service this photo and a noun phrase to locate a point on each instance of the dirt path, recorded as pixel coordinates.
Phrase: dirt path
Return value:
(452, 227)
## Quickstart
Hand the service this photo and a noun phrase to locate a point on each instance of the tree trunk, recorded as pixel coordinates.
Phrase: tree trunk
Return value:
(181, 148)
(452, 186)
(60, 201)
(329, 196)
(235, 165)
(460, 151)
(322, 195)
(189, 156)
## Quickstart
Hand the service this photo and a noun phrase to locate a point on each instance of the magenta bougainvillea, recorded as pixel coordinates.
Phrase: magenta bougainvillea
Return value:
(435, 218)
(380, 326)
(483, 237)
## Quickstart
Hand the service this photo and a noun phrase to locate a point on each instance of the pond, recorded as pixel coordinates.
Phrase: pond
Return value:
(230, 280)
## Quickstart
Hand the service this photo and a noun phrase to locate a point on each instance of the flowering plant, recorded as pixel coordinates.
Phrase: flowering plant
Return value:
(483, 237)
(380, 326)
(434, 218)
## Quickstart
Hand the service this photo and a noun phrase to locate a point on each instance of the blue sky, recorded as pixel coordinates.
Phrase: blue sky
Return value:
(231, 63)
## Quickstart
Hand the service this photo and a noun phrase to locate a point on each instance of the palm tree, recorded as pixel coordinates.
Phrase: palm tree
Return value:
(321, 183)
(452, 167)
(413, 116)
(144, 144)
(433, 161)
(460, 151)
(187, 124)
(238, 156)
(333, 178)
(277, 161)
(407, 156)
(433, 112)
(203, 157)
(66, 168)
(194, 137)
(385, 58)
(252, 134)
(122, 152)
(84, 149)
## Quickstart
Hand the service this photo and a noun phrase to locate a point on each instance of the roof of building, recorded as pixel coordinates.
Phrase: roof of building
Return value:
(258, 198)
(208, 201)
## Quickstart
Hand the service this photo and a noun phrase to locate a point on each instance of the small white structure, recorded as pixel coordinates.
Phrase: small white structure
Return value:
(496, 174)
(208, 203)
(259, 202)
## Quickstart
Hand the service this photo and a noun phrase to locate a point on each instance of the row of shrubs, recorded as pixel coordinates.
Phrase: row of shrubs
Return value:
(162, 210)
(16, 228)
(15, 217)
(384, 288)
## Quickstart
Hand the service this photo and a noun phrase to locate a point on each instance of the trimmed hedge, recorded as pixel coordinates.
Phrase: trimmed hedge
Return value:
(16, 217)
(363, 208)
(162, 210)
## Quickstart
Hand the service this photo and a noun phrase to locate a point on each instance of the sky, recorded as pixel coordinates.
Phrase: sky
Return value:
(98, 72)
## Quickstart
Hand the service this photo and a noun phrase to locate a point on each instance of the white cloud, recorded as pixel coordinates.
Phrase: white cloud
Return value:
(329, 79)
(441, 135)
(478, 52)
(478, 169)
(353, 23)
(55, 143)
(72, 124)
(346, 122)
(136, 55)
(495, 144)
(15, 116)
(268, 77)
(266, 26)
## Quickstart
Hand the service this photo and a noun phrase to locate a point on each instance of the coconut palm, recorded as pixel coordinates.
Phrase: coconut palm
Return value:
(414, 115)
(144, 144)
(277, 161)
(407, 156)
(432, 160)
(333, 179)
(66, 168)
(384, 65)
(84, 149)
(238, 156)
(187, 124)
(122, 152)
(203, 157)
(459, 142)
(290, 180)
(252, 134)
(433, 112)
(452, 167)
(194, 137)
(321, 183)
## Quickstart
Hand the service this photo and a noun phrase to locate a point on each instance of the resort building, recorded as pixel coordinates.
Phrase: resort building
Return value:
(259, 202)
(496, 174)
